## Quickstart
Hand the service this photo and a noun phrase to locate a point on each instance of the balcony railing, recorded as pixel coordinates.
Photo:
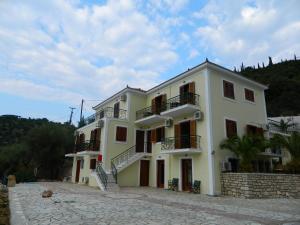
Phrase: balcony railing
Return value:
(171, 103)
(181, 142)
(286, 128)
(110, 112)
(187, 98)
(149, 111)
(89, 145)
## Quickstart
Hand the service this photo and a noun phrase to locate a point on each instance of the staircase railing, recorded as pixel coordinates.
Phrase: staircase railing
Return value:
(114, 172)
(102, 175)
(124, 156)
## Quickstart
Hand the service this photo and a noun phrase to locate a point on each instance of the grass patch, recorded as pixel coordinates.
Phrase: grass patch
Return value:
(4, 208)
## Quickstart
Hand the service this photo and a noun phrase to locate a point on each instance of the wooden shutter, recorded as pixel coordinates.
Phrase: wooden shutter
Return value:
(116, 109)
(121, 134)
(228, 89)
(153, 136)
(81, 138)
(93, 164)
(177, 136)
(97, 139)
(193, 137)
(231, 129)
(181, 94)
(192, 87)
(153, 106)
(260, 131)
(163, 102)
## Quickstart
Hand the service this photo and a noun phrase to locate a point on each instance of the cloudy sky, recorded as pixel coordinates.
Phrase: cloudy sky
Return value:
(54, 53)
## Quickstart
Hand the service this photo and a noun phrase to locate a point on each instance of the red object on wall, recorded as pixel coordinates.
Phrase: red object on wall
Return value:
(100, 158)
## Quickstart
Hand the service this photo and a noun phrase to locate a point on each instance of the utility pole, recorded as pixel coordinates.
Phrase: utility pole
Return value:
(81, 109)
(71, 115)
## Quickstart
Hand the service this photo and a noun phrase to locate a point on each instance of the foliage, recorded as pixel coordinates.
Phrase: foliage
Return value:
(40, 146)
(293, 166)
(245, 148)
(283, 79)
(291, 143)
(282, 125)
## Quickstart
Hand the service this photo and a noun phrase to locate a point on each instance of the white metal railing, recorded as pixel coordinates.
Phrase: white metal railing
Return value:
(124, 157)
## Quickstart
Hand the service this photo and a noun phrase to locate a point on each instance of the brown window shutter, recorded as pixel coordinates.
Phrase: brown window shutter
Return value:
(193, 138)
(231, 128)
(163, 102)
(260, 131)
(228, 89)
(153, 106)
(82, 138)
(192, 87)
(153, 136)
(97, 138)
(177, 136)
(121, 134)
(93, 164)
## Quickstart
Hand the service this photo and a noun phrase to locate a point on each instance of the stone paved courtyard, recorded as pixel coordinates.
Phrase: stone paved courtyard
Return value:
(76, 204)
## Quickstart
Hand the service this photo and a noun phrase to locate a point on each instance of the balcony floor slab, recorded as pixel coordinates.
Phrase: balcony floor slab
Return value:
(180, 110)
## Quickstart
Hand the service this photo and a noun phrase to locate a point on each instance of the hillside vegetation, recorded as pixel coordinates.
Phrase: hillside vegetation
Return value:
(33, 148)
(283, 79)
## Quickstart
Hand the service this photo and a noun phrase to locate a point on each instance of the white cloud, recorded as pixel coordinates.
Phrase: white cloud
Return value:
(249, 31)
(61, 51)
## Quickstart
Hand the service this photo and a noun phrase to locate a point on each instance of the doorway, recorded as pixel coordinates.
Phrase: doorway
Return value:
(139, 141)
(77, 171)
(186, 174)
(185, 134)
(144, 172)
(149, 143)
(160, 173)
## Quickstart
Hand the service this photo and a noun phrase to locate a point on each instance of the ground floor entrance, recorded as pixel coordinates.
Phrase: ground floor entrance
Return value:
(186, 174)
(144, 172)
(160, 173)
(77, 170)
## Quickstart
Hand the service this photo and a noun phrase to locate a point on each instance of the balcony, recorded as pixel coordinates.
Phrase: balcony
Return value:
(181, 105)
(182, 144)
(148, 116)
(110, 112)
(89, 145)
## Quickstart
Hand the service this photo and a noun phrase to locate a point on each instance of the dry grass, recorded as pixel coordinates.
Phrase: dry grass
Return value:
(4, 208)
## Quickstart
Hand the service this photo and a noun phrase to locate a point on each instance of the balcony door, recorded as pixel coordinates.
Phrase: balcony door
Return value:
(186, 174)
(116, 109)
(139, 141)
(158, 104)
(185, 135)
(187, 93)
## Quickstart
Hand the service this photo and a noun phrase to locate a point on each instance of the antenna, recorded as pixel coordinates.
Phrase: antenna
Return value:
(71, 115)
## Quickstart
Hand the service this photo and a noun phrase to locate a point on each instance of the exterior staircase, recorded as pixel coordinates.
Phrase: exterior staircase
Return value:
(125, 159)
(109, 181)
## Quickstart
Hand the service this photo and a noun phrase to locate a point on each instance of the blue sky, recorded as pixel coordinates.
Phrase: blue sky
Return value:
(54, 53)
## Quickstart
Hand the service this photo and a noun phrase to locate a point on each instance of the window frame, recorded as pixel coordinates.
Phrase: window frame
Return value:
(225, 126)
(247, 100)
(223, 90)
(118, 141)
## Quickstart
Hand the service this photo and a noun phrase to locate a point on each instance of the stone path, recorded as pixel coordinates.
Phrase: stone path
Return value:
(76, 204)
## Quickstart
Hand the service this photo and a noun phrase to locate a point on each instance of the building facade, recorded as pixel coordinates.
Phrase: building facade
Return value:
(173, 130)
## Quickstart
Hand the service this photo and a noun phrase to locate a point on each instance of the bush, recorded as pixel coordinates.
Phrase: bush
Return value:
(293, 166)
(25, 175)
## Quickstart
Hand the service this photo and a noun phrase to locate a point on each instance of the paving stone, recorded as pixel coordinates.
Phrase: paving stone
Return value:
(77, 204)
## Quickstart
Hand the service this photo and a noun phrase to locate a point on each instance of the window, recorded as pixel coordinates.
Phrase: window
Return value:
(121, 134)
(228, 89)
(93, 164)
(160, 134)
(101, 114)
(254, 130)
(249, 95)
(231, 129)
(116, 110)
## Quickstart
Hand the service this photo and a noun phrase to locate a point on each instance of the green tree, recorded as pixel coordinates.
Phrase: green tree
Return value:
(245, 148)
(270, 61)
(48, 145)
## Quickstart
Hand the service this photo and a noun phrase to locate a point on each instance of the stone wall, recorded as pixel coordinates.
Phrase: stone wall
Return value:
(260, 185)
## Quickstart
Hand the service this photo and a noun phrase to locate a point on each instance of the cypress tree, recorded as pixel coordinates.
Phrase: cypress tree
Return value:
(270, 61)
